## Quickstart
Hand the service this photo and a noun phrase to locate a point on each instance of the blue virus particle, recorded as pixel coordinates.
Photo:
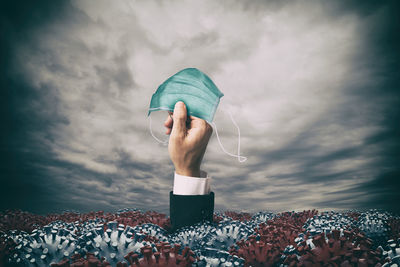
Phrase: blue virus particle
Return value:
(112, 241)
(226, 234)
(391, 253)
(149, 229)
(127, 210)
(214, 258)
(223, 217)
(374, 224)
(109, 239)
(326, 222)
(43, 246)
(263, 217)
(192, 236)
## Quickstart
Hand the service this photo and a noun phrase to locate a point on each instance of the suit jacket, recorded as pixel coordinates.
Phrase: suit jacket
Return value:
(188, 210)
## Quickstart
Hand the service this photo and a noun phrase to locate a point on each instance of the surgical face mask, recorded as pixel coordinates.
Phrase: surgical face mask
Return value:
(200, 95)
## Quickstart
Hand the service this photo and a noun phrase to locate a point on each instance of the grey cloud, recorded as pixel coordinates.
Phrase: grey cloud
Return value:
(319, 115)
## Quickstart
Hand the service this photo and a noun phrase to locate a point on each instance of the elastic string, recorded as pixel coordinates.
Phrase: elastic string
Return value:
(240, 158)
(152, 134)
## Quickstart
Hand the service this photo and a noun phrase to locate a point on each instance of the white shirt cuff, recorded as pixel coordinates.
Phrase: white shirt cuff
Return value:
(187, 185)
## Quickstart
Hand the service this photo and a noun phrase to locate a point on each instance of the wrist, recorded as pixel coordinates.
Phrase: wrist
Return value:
(189, 172)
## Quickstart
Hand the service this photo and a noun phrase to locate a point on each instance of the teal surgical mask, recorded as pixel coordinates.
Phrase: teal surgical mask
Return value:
(200, 95)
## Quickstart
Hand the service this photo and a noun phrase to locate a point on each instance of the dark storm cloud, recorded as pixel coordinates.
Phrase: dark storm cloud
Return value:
(21, 180)
(373, 102)
(32, 175)
(76, 80)
(382, 42)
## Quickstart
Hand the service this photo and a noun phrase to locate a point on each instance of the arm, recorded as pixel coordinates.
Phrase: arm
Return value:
(191, 201)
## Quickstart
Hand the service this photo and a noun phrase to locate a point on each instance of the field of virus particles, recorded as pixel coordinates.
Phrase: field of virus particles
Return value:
(131, 237)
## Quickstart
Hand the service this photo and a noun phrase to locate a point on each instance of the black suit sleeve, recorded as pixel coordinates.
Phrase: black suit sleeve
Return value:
(188, 210)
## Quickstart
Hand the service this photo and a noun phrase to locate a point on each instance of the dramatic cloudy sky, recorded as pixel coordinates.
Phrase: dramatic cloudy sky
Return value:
(313, 85)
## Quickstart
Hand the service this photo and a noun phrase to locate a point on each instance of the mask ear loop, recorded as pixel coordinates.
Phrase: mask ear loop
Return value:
(152, 134)
(241, 159)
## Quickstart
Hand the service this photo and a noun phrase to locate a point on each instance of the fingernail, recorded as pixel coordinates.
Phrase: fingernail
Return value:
(179, 104)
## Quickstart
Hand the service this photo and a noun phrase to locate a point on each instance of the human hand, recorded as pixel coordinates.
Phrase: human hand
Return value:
(188, 140)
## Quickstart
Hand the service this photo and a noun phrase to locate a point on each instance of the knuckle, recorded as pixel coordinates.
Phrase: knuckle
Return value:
(209, 128)
(179, 116)
(177, 135)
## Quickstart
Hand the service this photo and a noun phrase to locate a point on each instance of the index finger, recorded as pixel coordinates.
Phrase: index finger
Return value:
(168, 122)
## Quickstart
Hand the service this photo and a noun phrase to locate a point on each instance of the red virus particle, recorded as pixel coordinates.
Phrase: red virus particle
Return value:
(70, 217)
(266, 248)
(25, 221)
(165, 256)
(217, 218)
(353, 214)
(77, 261)
(136, 217)
(296, 219)
(238, 216)
(21, 220)
(258, 253)
(158, 218)
(350, 249)
(394, 228)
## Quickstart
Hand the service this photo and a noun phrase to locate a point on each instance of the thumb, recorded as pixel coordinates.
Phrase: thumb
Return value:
(179, 116)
